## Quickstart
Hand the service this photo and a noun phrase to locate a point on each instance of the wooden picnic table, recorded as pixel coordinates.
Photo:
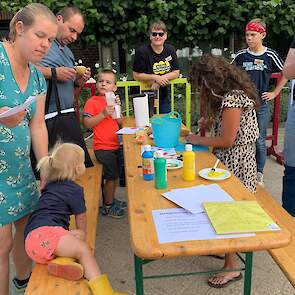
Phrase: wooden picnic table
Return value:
(143, 198)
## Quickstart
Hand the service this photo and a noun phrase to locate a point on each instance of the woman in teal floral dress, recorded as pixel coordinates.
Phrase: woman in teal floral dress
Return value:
(32, 30)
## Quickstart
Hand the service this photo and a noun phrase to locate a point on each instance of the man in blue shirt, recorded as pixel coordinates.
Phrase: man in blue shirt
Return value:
(70, 25)
(59, 57)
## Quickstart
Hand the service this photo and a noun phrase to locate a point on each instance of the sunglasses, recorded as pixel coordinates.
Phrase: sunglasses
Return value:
(160, 34)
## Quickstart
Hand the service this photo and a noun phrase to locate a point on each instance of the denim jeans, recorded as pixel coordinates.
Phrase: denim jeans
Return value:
(262, 118)
(288, 197)
(164, 103)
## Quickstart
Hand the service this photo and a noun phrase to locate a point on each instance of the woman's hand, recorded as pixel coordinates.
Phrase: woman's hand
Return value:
(14, 120)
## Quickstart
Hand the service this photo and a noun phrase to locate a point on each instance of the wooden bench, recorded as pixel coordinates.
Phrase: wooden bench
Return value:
(41, 283)
(284, 257)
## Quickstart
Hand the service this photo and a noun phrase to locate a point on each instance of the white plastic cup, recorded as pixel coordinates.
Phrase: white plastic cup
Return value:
(110, 98)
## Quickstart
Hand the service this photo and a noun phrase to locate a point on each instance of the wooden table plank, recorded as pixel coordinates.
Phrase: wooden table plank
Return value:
(143, 198)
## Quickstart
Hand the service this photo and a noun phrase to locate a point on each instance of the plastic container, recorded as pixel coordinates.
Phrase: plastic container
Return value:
(160, 171)
(189, 169)
(148, 163)
(166, 130)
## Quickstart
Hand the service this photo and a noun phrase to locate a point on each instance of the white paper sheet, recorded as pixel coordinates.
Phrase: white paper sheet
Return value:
(20, 107)
(191, 198)
(177, 224)
(127, 130)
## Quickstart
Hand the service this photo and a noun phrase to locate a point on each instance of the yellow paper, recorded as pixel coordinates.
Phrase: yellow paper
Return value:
(238, 217)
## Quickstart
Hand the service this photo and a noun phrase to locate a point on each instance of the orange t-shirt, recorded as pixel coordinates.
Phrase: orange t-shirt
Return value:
(104, 133)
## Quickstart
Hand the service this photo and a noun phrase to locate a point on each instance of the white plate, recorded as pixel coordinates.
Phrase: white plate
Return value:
(173, 164)
(204, 173)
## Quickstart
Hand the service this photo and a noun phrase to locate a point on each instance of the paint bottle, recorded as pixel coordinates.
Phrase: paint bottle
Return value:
(160, 171)
(148, 163)
(188, 170)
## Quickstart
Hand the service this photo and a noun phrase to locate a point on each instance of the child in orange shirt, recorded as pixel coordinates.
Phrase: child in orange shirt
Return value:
(98, 116)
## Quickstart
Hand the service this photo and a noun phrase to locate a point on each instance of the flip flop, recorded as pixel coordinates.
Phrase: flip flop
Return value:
(221, 257)
(228, 280)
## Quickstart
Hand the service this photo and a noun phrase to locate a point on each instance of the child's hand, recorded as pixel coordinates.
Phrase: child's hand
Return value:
(110, 110)
(193, 138)
(118, 100)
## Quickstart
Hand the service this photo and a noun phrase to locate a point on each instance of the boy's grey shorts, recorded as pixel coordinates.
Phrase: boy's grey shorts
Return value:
(110, 163)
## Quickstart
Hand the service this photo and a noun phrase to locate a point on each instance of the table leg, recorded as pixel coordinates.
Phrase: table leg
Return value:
(248, 273)
(138, 275)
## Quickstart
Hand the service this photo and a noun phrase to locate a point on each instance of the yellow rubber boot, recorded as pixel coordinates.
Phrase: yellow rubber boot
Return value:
(66, 268)
(101, 286)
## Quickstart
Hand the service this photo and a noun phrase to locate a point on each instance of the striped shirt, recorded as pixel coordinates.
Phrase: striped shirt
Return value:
(259, 66)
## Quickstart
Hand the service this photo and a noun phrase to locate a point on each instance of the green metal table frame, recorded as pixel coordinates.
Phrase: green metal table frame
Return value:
(139, 277)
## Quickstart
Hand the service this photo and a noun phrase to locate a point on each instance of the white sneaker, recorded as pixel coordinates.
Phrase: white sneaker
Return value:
(260, 179)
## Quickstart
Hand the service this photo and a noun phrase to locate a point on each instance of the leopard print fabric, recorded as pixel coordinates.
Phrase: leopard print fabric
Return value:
(240, 158)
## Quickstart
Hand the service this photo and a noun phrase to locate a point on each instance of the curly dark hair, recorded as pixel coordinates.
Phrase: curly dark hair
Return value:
(215, 77)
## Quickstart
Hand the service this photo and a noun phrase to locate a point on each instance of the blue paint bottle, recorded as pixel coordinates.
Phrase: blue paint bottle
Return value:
(148, 163)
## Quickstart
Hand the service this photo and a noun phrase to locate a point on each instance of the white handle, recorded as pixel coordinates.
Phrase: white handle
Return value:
(216, 163)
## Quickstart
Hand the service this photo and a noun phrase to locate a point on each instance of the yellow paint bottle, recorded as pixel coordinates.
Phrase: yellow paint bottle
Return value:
(189, 169)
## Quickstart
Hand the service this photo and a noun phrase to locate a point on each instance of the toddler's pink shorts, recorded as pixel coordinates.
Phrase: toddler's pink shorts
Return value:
(41, 242)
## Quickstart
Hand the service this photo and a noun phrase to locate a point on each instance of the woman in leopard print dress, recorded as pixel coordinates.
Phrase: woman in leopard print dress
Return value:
(230, 99)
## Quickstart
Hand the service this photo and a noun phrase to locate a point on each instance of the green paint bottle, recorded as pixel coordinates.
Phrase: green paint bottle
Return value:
(160, 171)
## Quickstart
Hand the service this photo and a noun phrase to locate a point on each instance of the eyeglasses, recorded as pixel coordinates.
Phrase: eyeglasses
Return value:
(160, 34)
(106, 81)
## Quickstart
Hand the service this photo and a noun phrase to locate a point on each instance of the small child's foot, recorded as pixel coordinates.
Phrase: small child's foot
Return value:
(112, 210)
(66, 268)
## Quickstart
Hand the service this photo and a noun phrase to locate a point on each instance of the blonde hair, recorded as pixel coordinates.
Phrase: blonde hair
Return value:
(27, 16)
(258, 21)
(66, 161)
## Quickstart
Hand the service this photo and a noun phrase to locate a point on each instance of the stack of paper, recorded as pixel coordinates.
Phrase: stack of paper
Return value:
(191, 198)
(239, 217)
(177, 224)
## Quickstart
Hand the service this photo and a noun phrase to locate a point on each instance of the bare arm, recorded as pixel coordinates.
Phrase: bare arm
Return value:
(162, 80)
(81, 222)
(229, 129)
(39, 135)
(271, 95)
(38, 130)
(289, 66)
(62, 73)
(90, 122)
(172, 75)
(143, 76)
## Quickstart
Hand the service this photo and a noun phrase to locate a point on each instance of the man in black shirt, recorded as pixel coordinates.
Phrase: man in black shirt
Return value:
(155, 65)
